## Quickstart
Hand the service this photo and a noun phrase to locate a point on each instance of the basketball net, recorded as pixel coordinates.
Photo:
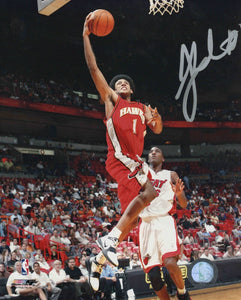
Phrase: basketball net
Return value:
(163, 6)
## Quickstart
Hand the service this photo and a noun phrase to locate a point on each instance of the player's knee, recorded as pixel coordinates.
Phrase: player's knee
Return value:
(155, 278)
(171, 264)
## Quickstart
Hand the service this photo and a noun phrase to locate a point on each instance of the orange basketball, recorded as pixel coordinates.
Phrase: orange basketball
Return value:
(103, 22)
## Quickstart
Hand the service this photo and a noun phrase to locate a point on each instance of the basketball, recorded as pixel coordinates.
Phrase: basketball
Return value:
(103, 22)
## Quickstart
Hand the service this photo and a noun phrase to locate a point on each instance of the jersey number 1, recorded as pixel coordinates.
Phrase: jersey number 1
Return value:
(134, 125)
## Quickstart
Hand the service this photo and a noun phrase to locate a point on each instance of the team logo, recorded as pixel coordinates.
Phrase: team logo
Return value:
(25, 266)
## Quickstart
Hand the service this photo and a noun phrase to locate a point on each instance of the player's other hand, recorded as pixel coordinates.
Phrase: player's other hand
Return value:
(154, 113)
(178, 187)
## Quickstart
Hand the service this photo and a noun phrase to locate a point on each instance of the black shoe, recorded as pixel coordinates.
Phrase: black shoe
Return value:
(94, 269)
(185, 296)
(108, 246)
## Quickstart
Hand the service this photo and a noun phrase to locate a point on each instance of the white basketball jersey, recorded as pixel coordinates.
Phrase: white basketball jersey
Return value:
(163, 203)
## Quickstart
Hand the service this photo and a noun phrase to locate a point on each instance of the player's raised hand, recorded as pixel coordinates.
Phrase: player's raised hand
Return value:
(178, 187)
(88, 19)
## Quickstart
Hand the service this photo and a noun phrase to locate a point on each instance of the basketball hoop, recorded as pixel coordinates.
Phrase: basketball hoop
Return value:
(163, 6)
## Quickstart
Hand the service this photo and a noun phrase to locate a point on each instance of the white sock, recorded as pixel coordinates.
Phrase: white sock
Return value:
(115, 232)
(181, 291)
(100, 258)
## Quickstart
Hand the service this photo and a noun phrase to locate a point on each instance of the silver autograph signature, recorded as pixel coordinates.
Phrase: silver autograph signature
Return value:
(192, 69)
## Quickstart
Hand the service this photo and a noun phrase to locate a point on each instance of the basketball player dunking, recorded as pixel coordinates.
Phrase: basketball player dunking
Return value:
(159, 242)
(126, 123)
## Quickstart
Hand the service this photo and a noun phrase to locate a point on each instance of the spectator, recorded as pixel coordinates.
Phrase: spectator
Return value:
(75, 218)
(44, 266)
(64, 239)
(39, 230)
(3, 228)
(3, 272)
(94, 251)
(5, 256)
(194, 255)
(12, 261)
(4, 209)
(37, 253)
(4, 246)
(214, 218)
(189, 239)
(82, 286)
(229, 252)
(48, 225)
(206, 254)
(237, 252)
(16, 215)
(204, 235)
(209, 227)
(30, 258)
(112, 282)
(45, 283)
(23, 290)
(226, 240)
(105, 229)
(67, 250)
(14, 245)
(185, 223)
(29, 245)
(80, 236)
(55, 238)
(23, 250)
(54, 254)
(135, 262)
(66, 219)
(59, 226)
(127, 252)
(222, 217)
(83, 267)
(30, 229)
(25, 218)
(61, 280)
(218, 238)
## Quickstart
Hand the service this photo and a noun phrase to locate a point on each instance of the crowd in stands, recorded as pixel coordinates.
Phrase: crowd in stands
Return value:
(222, 162)
(44, 91)
(54, 223)
(19, 87)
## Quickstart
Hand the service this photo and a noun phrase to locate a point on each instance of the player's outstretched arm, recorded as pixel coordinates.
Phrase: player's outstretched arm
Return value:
(106, 93)
(153, 119)
(178, 188)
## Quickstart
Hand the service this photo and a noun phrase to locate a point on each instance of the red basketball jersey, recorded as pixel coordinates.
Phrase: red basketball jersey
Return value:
(126, 128)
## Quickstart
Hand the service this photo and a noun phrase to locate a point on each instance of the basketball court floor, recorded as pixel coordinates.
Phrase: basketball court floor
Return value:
(230, 292)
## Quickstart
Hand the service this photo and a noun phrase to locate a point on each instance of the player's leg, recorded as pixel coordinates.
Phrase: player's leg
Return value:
(95, 264)
(109, 243)
(158, 284)
(128, 219)
(170, 249)
(174, 271)
(176, 275)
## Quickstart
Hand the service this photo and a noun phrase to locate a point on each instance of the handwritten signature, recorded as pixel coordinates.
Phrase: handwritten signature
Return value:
(192, 69)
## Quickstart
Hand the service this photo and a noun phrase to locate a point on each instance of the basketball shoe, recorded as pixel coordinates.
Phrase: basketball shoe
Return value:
(185, 296)
(108, 246)
(94, 270)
